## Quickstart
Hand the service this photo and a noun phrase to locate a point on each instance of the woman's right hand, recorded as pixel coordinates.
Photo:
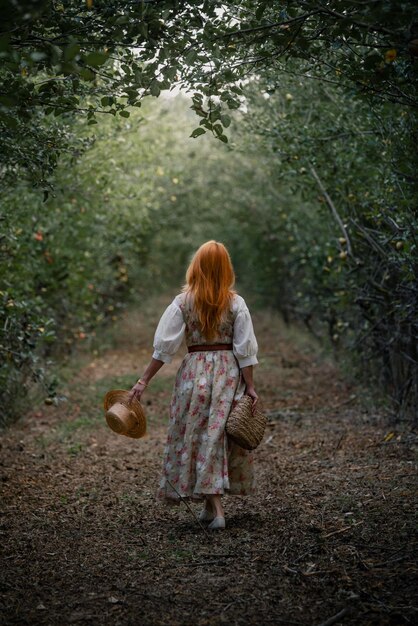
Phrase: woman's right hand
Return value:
(137, 391)
(250, 391)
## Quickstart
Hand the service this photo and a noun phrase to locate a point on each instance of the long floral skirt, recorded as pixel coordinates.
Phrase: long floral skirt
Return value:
(199, 459)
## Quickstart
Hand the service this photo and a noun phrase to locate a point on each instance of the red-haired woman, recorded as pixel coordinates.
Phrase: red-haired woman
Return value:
(199, 461)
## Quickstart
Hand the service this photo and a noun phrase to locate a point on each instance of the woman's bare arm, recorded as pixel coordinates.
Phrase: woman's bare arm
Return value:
(247, 373)
(139, 388)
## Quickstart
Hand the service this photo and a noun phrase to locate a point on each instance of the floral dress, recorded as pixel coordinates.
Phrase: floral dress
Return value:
(198, 457)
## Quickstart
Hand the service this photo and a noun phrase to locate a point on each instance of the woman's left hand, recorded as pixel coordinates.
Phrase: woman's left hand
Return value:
(250, 391)
(137, 391)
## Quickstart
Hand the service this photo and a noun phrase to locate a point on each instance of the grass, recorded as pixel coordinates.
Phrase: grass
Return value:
(84, 413)
(75, 449)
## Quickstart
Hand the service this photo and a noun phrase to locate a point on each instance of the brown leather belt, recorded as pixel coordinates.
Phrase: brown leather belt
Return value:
(210, 347)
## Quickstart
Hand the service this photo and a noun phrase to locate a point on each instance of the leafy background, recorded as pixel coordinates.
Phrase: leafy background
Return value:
(312, 183)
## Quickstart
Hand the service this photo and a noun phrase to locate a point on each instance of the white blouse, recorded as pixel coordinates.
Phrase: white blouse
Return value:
(171, 328)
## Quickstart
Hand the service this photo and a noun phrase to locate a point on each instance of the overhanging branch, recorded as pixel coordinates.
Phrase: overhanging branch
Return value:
(333, 209)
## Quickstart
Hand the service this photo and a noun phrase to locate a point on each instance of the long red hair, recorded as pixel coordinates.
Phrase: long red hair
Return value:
(209, 279)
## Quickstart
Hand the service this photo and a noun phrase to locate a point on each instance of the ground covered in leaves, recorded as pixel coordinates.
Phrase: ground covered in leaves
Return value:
(329, 537)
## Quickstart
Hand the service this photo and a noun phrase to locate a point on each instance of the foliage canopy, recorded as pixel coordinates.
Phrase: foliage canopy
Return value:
(104, 56)
(315, 191)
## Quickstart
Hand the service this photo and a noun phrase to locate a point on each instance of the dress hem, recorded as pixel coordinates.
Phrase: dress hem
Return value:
(201, 496)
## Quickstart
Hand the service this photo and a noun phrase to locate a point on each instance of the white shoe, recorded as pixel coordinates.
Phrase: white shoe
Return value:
(206, 516)
(217, 524)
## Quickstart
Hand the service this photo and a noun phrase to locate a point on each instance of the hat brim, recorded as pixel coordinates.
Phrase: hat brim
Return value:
(122, 396)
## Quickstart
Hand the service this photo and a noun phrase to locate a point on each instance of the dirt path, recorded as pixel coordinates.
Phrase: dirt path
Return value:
(330, 531)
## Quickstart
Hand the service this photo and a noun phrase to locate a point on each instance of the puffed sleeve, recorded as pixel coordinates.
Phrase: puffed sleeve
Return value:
(244, 342)
(169, 333)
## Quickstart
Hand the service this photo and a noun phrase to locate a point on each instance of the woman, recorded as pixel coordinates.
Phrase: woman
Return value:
(199, 461)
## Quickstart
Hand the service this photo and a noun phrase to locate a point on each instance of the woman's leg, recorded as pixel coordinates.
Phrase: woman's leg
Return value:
(215, 502)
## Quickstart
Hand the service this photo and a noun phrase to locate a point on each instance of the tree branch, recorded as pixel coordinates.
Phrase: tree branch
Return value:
(333, 209)
(246, 31)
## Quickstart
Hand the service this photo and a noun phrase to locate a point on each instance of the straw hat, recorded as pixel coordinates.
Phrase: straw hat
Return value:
(123, 417)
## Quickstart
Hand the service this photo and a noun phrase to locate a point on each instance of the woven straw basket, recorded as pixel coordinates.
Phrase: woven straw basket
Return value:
(245, 428)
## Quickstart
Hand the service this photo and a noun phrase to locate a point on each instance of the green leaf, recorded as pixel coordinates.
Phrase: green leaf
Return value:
(197, 132)
(223, 138)
(87, 74)
(218, 129)
(71, 51)
(214, 116)
(96, 58)
(155, 89)
(123, 19)
(124, 113)
(170, 72)
(143, 29)
(226, 120)
(233, 103)
(190, 57)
